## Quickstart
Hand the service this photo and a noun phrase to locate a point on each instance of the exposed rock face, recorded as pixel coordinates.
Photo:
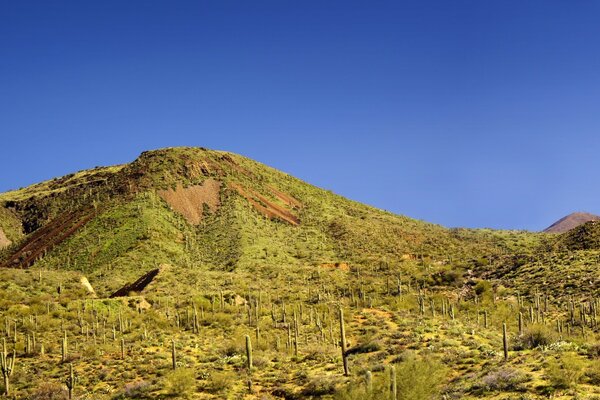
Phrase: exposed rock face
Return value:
(3, 239)
(86, 284)
(140, 284)
(571, 221)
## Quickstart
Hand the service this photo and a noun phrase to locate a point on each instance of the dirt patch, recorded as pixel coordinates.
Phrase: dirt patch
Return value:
(233, 164)
(4, 240)
(341, 266)
(286, 198)
(140, 284)
(190, 201)
(377, 313)
(47, 237)
(265, 206)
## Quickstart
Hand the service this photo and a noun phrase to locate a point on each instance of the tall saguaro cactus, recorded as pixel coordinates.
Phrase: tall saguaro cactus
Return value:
(173, 355)
(7, 364)
(248, 353)
(70, 381)
(343, 342)
(393, 383)
(64, 347)
(504, 341)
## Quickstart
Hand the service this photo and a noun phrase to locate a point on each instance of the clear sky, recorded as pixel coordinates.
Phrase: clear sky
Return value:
(464, 113)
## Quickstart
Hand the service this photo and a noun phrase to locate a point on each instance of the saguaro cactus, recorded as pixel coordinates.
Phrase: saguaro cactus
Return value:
(248, 352)
(7, 364)
(70, 381)
(393, 384)
(504, 341)
(343, 343)
(64, 347)
(173, 355)
(520, 323)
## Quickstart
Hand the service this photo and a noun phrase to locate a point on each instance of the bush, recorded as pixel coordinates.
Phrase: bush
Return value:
(218, 381)
(320, 386)
(594, 351)
(419, 379)
(535, 336)
(136, 390)
(416, 379)
(180, 383)
(593, 373)
(50, 391)
(565, 371)
(367, 347)
(482, 287)
(503, 379)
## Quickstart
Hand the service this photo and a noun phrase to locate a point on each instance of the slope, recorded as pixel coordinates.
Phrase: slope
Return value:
(211, 209)
(571, 221)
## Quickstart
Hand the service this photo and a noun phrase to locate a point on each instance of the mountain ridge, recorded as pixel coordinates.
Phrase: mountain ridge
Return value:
(212, 208)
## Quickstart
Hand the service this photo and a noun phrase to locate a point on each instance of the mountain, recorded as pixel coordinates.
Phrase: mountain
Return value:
(571, 221)
(583, 237)
(193, 273)
(211, 209)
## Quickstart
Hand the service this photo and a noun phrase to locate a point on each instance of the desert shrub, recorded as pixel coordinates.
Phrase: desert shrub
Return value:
(218, 381)
(419, 379)
(318, 352)
(367, 347)
(503, 379)
(136, 390)
(448, 277)
(416, 379)
(535, 336)
(482, 287)
(565, 371)
(50, 391)
(594, 351)
(180, 383)
(320, 385)
(593, 373)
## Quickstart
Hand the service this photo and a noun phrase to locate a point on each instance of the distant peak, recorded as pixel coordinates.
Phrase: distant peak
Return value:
(571, 221)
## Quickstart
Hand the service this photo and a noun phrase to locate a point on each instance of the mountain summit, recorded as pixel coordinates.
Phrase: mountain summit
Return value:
(571, 221)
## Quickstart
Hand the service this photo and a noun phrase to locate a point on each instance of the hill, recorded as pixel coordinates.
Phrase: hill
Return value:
(192, 273)
(571, 221)
(207, 208)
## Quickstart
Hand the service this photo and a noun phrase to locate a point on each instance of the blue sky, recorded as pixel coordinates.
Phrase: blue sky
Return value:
(463, 113)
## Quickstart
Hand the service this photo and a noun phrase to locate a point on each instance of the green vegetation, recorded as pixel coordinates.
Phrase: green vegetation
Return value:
(350, 303)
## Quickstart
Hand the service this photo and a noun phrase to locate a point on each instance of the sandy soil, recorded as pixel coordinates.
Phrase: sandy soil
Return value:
(190, 201)
(4, 240)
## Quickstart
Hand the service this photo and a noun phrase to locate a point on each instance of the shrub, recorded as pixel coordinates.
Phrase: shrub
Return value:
(565, 371)
(535, 336)
(483, 287)
(593, 373)
(419, 379)
(594, 351)
(50, 391)
(503, 379)
(180, 383)
(320, 386)
(136, 390)
(367, 347)
(218, 381)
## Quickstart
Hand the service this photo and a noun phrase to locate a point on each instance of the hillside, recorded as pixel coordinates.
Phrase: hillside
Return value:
(207, 208)
(192, 273)
(571, 221)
